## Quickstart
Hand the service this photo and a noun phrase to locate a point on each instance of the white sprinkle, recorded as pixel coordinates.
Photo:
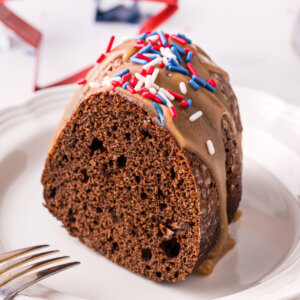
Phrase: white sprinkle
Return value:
(153, 38)
(165, 60)
(168, 53)
(148, 81)
(139, 85)
(94, 85)
(210, 147)
(125, 39)
(162, 50)
(196, 115)
(118, 78)
(169, 103)
(153, 62)
(151, 54)
(169, 95)
(182, 87)
(154, 74)
(152, 90)
(155, 86)
(140, 77)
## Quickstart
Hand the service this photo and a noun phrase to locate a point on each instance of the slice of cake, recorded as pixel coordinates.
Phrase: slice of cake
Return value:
(145, 166)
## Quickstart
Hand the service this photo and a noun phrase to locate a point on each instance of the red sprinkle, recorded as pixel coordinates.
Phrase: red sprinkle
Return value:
(152, 43)
(151, 96)
(139, 46)
(125, 78)
(143, 72)
(101, 57)
(159, 43)
(140, 41)
(150, 70)
(143, 90)
(188, 50)
(173, 112)
(161, 64)
(166, 35)
(177, 96)
(178, 39)
(81, 81)
(110, 43)
(155, 48)
(133, 81)
(184, 103)
(192, 69)
(142, 56)
(115, 83)
(131, 89)
(212, 82)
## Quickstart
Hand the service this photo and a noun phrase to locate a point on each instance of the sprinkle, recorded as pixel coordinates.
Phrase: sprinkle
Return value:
(182, 87)
(162, 38)
(110, 43)
(125, 71)
(150, 71)
(143, 72)
(71, 113)
(139, 85)
(154, 74)
(125, 78)
(145, 49)
(196, 115)
(173, 112)
(173, 62)
(140, 77)
(189, 56)
(155, 50)
(189, 101)
(177, 96)
(210, 147)
(154, 33)
(155, 85)
(179, 70)
(138, 60)
(184, 103)
(117, 78)
(194, 84)
(133, 81)
(161, 64)
(200, 81)
(148, 81)
(154, 62)
(140, 36)
(163, 100)
(162, 51)
(143, 90)
(178, 48)
(151, 96)
(130, 89)
(165, 60)
(152, 38)
(152, 90)
(168, 53)
(178, 39)
(210, 88)
(81, 81)
(124, 86)
(184, 37)
(139, 46)
(212, 82)
(174, 50)
(160, 120)
(168, 95)
(142, 56)
(192, 69)
(94, 85)
(159, 43)
(101, 57)
(115, 83)
(140, 41)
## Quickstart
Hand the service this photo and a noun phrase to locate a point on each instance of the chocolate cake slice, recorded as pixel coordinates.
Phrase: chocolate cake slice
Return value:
(145, 166)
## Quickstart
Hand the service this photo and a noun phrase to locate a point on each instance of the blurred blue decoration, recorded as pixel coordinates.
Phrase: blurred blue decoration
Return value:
(119, 13)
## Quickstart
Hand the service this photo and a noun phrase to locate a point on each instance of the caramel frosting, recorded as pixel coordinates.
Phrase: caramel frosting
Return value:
(190, 135)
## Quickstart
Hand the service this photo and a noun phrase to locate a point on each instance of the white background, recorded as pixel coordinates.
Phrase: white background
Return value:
(253, 40)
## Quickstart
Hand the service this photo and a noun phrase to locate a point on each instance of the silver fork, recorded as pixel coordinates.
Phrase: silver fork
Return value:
(12, 271)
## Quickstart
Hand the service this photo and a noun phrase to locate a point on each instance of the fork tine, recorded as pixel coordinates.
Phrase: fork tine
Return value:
(15, 253)
(8, 276)
(12, 288)
(22, 260)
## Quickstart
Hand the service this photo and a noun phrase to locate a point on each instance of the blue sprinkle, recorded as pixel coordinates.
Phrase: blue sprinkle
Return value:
(174, 50)
(200, 81)
(152, 33)
(71, 113)
(194, 84)
(162, 38)
(173, 62)
(124, 86)
(189, 101)
(161, 119)
(178, 48)
(154, 52)
(184, 37)
(140, 36)
(138, 60)
(163, 100)
(152, 56)
(178, 69)
(145, 49)
(210, 87)
(189, 56)
(125, 71)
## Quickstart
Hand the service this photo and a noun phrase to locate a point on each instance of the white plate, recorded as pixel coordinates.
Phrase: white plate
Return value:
(264, 264)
